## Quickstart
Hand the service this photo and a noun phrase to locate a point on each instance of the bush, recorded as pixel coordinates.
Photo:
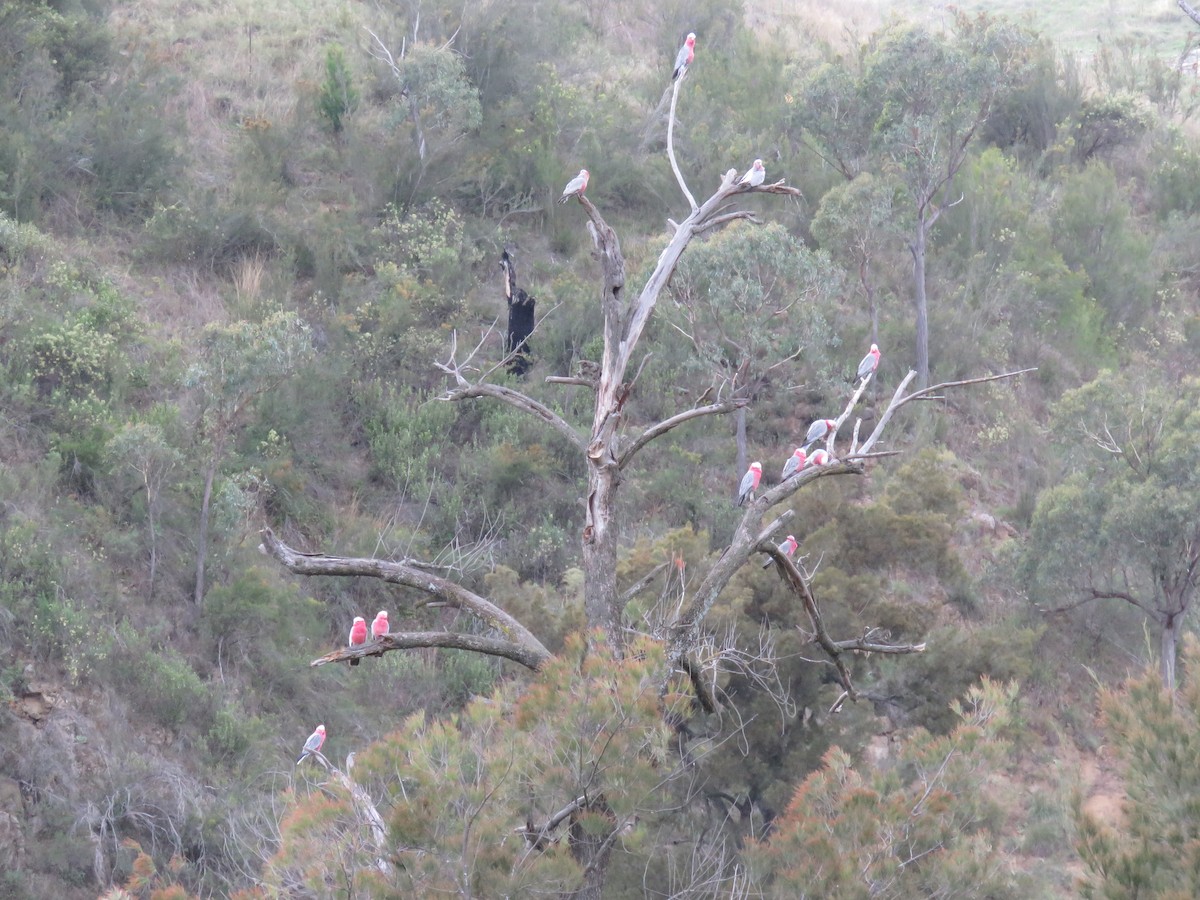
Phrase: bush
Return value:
(161, 683)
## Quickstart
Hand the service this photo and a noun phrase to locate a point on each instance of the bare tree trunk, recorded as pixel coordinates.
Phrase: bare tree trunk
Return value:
(920, 300)
(151, 500)
(1168, 641)
(740, 420)
(202, 539)
(600, 541)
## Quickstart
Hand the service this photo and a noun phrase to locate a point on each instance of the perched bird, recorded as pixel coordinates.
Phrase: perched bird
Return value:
(358, 636)
(787, 548)
(749, 482)
(816, 431)
(794, 464)
(869, 363)
(754, 175)
(575, 187)
(380, 626)
(313, 744)
(684, 57)
(820, 458)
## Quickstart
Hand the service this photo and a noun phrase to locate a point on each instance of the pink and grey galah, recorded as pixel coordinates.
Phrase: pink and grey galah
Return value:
(313, 744)
(755, 175)
(749, 482)
(817, 430)
(380, 627)
(684, 57)
(819, 458)
(869, 363)
(358, 636)
(787, 548)
(794, 464)
(575, 187)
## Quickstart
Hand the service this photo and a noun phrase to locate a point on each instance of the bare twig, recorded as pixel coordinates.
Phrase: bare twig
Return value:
(667, 424)
(671, 144)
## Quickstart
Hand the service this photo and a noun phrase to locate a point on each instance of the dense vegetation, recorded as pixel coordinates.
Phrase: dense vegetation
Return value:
(234, 244)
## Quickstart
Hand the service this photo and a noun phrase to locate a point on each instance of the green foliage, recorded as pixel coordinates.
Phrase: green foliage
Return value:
(256, 623)
(591, 724)
(1122, 526)
(404, 432)
(161, 683)
(337, 96)
(1097, 233)
(49, 623)
(1154, 733)
(752, 296)
(924, 826)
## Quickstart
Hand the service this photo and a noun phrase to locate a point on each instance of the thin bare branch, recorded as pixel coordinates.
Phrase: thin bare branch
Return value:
(726, 218)
(1190, 10)
(864, 645)
(519, 401)
(674, 421)
(899, 399)
(571, 379)
(671, 143)
(640, 585)
(1092, 594)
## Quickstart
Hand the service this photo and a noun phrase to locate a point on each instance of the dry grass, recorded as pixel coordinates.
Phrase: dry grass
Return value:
(1074, 26)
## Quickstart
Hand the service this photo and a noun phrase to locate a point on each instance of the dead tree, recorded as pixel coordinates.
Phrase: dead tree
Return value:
(610, 445)
(520, 319)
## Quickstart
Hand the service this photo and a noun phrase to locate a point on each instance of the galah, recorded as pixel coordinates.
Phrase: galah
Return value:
(313, 744)
(869, 363)
(820, 458)
(749, 482)
(754, 175)
(787, 548)
(684, 57)
(380, 627)
(575, 187)
(794, 464)
(817, 430)
(358, 636)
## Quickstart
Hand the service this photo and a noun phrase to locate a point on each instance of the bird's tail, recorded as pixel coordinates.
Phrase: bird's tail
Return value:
(566, 198)
(303, 757)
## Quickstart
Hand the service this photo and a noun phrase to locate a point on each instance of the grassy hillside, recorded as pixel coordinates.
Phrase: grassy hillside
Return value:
(233, 242)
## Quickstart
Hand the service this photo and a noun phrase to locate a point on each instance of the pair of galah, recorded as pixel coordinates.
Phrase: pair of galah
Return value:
(358, 631)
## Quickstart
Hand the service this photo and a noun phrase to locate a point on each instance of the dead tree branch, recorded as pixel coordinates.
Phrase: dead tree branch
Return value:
(521, 645)
(446, 640)
(674, 421)
(364, 807)
(1190, 10)
(671, 144)
(466, 390)
(899, 399)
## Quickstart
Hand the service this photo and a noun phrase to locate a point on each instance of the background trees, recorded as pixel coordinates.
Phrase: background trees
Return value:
(1124, 526)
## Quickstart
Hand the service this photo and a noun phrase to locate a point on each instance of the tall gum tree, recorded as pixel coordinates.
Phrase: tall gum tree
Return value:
(909, 108)
(1124, 525)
